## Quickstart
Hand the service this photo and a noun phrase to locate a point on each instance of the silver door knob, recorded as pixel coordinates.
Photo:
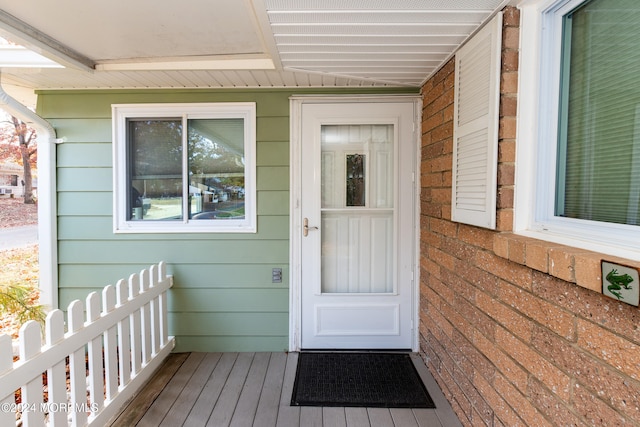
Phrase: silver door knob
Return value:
(306, 228)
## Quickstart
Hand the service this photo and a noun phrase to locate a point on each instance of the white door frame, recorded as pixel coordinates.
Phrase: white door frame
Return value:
(295, 238)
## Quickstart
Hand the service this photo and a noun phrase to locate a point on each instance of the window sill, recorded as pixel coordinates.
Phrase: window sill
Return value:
(568, 263)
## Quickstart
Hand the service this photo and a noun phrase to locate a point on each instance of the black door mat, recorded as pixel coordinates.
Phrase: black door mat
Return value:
(373, 380)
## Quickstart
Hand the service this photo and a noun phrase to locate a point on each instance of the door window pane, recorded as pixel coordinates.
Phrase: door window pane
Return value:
(355, 179)
(357, 210)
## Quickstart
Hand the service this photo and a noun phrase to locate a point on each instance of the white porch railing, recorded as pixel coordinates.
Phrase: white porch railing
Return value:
(109, 354)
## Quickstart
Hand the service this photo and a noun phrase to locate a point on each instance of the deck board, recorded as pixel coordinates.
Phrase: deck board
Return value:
(403, 417)
(143, 400)
(245, 410)
(201, 410)
(254, 389)
(185, 401)
(288, 415)
(357, 417)
(267, 411)
(224, 409)
(158, 410)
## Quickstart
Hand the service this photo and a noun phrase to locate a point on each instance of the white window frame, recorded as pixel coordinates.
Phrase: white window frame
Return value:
(122, 112)
(537, 139)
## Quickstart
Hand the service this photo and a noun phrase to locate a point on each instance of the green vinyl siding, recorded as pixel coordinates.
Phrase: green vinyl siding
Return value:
(84, 179)
(179, 251)
(223, 297)
(229, 300)
(84, 155)
(191, 276)
(86, 131)
(99, 228)
(240, 343)
(84, 203)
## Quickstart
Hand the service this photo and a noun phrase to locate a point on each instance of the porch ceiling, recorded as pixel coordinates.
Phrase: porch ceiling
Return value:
(237, 43)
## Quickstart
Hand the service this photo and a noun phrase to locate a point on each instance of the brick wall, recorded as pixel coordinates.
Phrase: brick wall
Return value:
(509, 344)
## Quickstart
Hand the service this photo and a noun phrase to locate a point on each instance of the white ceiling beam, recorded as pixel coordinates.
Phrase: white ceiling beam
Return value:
(239, 62)
(19, 32)
(12, 56)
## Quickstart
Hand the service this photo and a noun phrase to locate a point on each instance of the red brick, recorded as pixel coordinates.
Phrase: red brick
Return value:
(459, 323)
(476, 236)
(510, 319)
(594, 410)
(561, 263)
(511, 17)
(529, 415)
(445, 71)
(507, 151)
(501, 245)
(429, 95)
(431, 180)
(549, 404)
(511, 38)
(556, 380)
(433, 150)
(477, 277)
(549, 315)
(537, 255)
(508, 126)
(447, 113)
(443, 259)
(503, 363)
(588, 271)
(479, 320)
(617, 317)
(509, 82)
(445, 228)
(426, 139)
(506, 173)
(617, 351)
(505, 199)
(517, 251)
(463, 252)
(506, 270)
(504, 220)
(447, 148)
(441, 195)
(459, 285)
(509, 60)
(500, 408)
(443, 290)
(442, 132)
(432, 122)
(449, 80)
(442, 163)
(607, 382)
(508, 106)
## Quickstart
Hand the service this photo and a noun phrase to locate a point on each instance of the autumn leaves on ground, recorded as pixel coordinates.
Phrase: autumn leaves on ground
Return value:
(18, 266)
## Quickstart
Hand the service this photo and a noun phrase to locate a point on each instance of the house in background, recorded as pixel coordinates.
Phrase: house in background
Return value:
(12, 180)
(11, 176)
(454, 178)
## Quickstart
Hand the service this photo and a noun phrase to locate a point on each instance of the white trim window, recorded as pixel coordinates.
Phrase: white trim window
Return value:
(579, 121)
(184, 167)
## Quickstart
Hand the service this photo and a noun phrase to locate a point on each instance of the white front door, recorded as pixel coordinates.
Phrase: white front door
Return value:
(357, 225)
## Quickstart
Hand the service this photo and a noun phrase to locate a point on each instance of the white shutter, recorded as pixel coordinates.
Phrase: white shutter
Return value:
(475, 130)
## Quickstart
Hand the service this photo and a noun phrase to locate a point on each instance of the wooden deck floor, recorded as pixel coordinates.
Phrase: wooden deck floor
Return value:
(254, 389)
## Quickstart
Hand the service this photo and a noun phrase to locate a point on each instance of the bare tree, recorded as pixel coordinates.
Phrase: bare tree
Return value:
(18, 143)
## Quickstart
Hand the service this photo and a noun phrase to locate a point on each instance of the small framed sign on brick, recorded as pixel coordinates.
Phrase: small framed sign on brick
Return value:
(621, 282)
